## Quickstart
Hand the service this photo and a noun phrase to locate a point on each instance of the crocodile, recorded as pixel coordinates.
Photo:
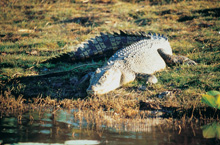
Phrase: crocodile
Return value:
(131, 54)
(144, 57)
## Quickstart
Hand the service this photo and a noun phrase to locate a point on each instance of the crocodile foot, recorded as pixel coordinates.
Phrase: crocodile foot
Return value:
(151, 79)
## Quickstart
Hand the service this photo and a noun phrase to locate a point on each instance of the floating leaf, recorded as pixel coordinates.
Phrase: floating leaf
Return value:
(209, 100)
(218, 101)
(211, 130)
(213, 93)
(208, 131)
(218, 131)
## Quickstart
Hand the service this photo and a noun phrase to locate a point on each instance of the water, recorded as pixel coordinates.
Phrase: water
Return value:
(60, 127)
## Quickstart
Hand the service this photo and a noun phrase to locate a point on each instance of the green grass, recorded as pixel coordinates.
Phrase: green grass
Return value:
(32, 31)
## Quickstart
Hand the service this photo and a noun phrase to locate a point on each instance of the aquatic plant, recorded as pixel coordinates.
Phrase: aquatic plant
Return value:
(212, 98)
(211, 130)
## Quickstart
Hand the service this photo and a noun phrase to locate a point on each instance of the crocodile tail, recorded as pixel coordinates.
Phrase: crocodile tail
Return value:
(99, 47)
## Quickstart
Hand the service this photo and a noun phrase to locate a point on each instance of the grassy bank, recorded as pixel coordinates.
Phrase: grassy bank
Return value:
(32, 31)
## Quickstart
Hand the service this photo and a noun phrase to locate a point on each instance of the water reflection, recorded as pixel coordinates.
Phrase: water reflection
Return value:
(47, 126)
(211, 130)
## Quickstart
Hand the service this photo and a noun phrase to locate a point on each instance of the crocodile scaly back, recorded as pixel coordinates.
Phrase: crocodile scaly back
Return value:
(101, 46)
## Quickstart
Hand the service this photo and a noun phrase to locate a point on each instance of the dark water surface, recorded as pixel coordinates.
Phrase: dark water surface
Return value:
(45, 127)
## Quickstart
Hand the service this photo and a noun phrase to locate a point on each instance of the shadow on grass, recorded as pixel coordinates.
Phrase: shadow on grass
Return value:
(10, 37)
(186, 18)
(93, 21)
(60, 85)
(214, 12)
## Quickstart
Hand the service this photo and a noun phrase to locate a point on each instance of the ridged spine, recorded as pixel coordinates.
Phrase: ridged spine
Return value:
(103, 45)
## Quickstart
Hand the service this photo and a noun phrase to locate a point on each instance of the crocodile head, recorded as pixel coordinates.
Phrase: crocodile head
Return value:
(104, 80)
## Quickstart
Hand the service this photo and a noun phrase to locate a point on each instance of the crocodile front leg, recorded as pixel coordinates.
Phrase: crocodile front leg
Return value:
(175, 59)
